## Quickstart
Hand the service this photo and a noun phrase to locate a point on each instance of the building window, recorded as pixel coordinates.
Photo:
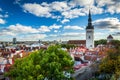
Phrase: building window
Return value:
(90, 45)
(89, 37)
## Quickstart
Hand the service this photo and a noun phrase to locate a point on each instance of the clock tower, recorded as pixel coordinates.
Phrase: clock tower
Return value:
(89, 33)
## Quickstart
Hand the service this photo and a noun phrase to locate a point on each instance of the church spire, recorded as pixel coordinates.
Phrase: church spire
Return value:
(89, 21)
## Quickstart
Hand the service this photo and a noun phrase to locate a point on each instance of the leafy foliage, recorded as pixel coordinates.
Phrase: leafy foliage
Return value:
(111, 64)
(68, 46)
(42, 64)
(102, 41)
(116, 43)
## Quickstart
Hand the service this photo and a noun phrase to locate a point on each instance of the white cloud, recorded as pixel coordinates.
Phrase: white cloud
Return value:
(72, 34)
(22, 29)
(54, 26)
(49, 28)
(2, 21)
(59, 6)
(74, 13)
(71, 9)
(18, 28)
(34, 37)
(23, 32)
(113, 6)
(102, 3)
(3, 15)
(44, 29)
(67, 9)
(100, 35)
(46, 10)
(55, 31)
(73, 27)
(83, 2)
(107, 23)
(96, 10)
(65, 20)
(7, 33)
(37, 9)
(53, 35)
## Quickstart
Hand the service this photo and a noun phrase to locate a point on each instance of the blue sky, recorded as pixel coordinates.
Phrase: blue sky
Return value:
(57, 19)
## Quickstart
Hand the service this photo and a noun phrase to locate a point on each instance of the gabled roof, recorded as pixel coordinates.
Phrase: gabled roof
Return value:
(110, 36)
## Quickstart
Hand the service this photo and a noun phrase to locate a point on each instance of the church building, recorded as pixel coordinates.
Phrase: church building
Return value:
(89, 42)
(90, 33)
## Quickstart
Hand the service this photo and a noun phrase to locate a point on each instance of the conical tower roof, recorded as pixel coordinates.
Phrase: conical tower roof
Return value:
(89, 26)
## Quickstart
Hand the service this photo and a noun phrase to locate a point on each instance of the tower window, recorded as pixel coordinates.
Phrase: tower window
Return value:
(90, 45)
(89, 37)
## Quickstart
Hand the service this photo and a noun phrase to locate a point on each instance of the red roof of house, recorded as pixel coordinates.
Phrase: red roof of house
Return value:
(77, 42)
(90, 58)
(77, 55)
(91, 52)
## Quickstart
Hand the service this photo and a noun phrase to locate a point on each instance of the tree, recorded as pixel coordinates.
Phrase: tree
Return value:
(116, 43)
(68, 46)
(102, 41)
(50, 64)
(111, 64)
(109, 68)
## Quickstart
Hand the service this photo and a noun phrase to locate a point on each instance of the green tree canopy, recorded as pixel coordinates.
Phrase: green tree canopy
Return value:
(116, 43)
(111, 64)
(68, 46)
(102, 41)
(50, 64)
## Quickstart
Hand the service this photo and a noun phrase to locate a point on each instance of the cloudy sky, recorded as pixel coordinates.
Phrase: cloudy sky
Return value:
(58, 19)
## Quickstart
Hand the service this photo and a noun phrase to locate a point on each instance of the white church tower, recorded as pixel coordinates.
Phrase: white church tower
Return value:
(90, 33)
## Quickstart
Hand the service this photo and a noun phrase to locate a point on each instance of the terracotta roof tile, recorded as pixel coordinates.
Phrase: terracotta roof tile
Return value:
(77, 42)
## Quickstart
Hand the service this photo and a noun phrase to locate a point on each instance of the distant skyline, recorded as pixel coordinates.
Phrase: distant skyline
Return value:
(33, 20)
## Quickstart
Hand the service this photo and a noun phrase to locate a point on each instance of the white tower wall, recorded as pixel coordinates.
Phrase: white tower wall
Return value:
(90, 38)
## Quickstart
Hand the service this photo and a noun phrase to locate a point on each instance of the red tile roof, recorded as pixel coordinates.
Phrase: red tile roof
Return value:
(77, 42)
(90, 58)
